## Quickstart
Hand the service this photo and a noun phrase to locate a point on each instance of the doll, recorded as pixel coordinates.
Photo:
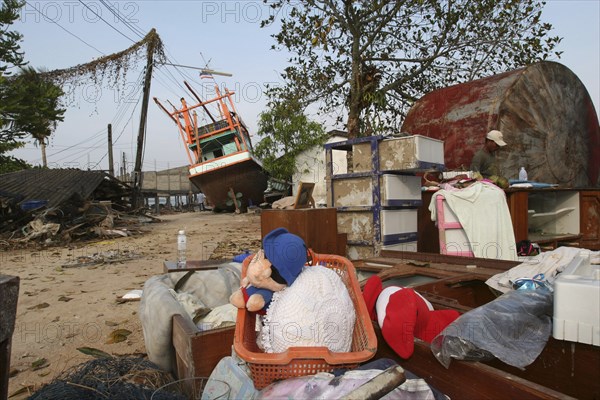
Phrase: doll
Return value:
(272, 269)
(404, 314)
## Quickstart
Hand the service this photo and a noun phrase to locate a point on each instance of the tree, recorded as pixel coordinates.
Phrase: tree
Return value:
(34, 107)
(10, 57)
(29, 101)
(374, 58)
(286, 132)
(10, 163)
(10, 54)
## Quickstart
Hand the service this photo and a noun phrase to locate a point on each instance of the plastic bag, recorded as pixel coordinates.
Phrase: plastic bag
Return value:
(514, 328)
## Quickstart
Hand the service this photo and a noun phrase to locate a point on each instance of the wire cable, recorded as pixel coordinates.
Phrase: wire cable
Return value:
(135, 30)
(107, 23)
(63, 28)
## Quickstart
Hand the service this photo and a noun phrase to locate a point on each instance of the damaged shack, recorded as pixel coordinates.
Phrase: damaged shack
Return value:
(60, 205)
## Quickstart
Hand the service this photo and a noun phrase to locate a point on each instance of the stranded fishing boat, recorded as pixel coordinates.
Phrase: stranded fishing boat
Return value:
(220, 152)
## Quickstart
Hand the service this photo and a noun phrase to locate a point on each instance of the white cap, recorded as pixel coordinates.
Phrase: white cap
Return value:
(182, 232)
(496, 136)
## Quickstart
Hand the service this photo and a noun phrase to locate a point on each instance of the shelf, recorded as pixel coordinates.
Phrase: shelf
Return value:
(538, 220)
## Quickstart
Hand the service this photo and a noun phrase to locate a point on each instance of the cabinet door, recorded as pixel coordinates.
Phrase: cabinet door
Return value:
(590, 219)
(518, 205)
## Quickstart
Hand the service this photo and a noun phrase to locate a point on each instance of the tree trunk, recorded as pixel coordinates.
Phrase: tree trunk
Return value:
(354, 97)
(43, 147)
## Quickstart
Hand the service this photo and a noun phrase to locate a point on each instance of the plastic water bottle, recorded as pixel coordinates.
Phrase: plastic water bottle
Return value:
(522, 174)
(181, 247)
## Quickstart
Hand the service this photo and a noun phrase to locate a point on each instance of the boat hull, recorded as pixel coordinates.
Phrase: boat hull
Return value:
(238, 171)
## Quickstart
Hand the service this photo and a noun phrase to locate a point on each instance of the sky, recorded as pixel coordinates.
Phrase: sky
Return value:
(223, 35)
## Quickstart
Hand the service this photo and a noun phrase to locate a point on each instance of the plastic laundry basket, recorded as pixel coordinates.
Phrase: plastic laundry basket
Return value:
(299, 361)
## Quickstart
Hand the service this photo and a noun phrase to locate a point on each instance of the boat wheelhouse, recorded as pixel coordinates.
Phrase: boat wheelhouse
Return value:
(222, 165)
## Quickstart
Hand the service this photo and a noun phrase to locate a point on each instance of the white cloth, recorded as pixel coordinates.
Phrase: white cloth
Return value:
(384, 299)
(210, 289)
(316, 310)
(548, 263)
(483, 213)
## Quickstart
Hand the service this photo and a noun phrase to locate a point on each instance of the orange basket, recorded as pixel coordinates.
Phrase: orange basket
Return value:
(267, 368)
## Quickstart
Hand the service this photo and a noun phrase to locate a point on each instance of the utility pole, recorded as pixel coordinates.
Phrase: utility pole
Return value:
(111, 168)
(124, 169)
(137, 172)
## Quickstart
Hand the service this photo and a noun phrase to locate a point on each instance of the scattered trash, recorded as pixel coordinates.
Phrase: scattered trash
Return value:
(134, 294)
(105, 257)
(228, 249)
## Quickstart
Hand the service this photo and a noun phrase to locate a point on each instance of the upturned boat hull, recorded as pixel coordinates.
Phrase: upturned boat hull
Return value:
(239, 172)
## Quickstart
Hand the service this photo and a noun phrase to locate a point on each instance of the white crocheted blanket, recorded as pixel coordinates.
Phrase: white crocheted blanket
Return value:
(316, 310)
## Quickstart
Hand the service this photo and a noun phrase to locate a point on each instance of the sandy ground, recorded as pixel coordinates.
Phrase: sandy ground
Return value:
(62, 308)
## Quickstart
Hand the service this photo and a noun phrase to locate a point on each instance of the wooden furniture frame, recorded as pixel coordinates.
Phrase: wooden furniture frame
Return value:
(304, 195)
(443, 225)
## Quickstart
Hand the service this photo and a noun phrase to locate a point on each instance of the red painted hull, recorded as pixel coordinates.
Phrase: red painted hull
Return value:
(246, 177)
(544, 111)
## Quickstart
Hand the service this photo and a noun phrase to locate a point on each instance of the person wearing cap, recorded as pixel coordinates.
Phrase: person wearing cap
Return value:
(484, 160)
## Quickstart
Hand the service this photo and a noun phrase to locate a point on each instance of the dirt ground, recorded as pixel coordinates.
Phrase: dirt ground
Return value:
(63, 308)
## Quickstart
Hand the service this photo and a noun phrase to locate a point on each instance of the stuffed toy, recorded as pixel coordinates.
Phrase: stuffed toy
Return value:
(404, 314)
(272, 269)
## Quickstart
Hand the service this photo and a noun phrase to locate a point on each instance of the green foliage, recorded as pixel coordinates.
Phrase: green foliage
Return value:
(29, 102)
(9, 163)
(374, 58)
(10, 54)
(32, 105)
(286, 132)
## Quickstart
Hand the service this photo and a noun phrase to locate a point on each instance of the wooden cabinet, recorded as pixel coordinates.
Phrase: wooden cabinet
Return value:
(590, 219)
(546, 216)
(316, 226)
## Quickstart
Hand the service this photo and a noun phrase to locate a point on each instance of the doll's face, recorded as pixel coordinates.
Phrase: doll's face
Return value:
(260, 265)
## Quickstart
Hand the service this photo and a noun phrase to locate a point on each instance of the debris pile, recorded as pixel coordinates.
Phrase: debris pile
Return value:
(55, 207)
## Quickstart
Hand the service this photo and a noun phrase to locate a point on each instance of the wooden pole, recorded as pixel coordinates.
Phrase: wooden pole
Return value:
(111, 164)
(199, 101)
(137, 173)
(379, 386)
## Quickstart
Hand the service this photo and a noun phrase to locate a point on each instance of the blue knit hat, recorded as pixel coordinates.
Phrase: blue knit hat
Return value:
(286, 252)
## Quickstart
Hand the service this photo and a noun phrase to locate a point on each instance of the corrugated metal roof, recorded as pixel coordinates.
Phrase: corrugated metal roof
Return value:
(54, 185)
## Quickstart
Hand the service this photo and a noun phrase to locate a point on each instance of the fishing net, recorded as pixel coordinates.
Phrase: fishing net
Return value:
(116, 378)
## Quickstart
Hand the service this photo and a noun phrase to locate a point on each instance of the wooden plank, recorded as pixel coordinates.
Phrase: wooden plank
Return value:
(563, 369)
(449, 261)
(464, 379)
(208, 348)
(193, 265)
(590, 219)
(183, 330)
(518, 206)
(316, 226)
(199, 352)
(9, 295)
